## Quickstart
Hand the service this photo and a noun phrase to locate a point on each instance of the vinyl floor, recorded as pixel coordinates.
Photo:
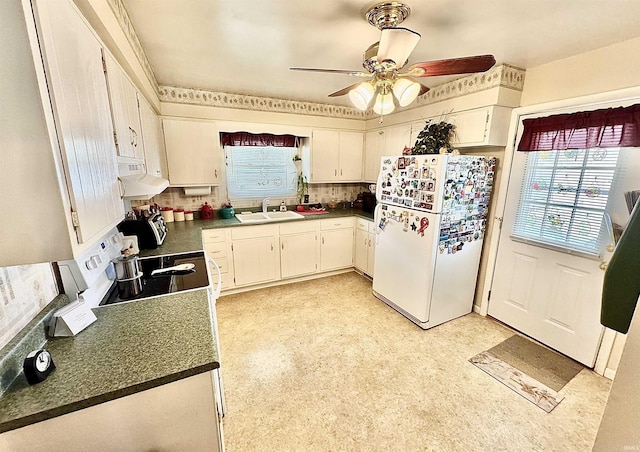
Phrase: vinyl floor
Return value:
(323, 365)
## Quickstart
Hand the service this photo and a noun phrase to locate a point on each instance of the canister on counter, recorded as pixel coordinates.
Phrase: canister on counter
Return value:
(178, 214)
(167, 214)
(188, 215)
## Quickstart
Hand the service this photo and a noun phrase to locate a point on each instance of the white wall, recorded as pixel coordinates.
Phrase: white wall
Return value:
(606, 69)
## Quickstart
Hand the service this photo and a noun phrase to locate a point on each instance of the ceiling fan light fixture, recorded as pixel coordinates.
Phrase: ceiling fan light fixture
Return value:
(384, 104)
(361, 95)
(405, 91)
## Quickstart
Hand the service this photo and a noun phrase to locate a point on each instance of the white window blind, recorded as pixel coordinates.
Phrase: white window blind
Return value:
(564, 196)
(256, 172)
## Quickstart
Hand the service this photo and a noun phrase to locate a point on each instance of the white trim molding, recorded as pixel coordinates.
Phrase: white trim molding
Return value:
(120, 12)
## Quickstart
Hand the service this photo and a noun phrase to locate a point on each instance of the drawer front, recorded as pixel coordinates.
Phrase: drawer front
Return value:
(223, 264)
(216, 249)
(337, 223)
(362, 224)
(251, 232)
(214, 235)
(227, 280)
(299, 227)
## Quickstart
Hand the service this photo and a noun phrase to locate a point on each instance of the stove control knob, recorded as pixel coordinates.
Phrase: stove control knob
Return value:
(93, 262)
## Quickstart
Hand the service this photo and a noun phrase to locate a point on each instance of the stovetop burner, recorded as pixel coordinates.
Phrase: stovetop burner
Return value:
(165, 284)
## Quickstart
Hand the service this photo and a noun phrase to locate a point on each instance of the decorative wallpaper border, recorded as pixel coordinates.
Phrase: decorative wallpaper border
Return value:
(119, 10)
(503, 75)
(246, 102)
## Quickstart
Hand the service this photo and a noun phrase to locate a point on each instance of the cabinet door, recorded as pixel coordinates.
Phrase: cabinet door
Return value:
(373, 150)
(471, 127)
(256, 260)
(351, 150)
(193, 155)
(124, 110)
(298, 255)
(398, 137)
(80, 102)
(154, 153)
(371, 254)
(336, 249)
(325, 155)
(361, 250)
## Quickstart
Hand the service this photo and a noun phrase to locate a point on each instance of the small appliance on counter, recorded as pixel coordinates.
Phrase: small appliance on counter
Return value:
(150, 231)
(206, 212)
(368, 202)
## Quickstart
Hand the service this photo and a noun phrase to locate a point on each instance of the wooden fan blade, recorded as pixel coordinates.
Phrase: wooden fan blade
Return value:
(466, 65)
(331, 71)
(344, 91)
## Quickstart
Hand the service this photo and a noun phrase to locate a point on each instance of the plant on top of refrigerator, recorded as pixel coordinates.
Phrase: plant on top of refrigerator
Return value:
(435, 138)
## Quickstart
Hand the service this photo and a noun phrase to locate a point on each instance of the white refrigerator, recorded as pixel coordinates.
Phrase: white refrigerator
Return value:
(430, 221)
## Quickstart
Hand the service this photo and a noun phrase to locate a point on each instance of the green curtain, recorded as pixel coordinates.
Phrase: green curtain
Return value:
(622, 278)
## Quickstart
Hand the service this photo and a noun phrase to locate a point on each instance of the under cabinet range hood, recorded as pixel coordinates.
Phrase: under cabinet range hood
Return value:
(137, 184)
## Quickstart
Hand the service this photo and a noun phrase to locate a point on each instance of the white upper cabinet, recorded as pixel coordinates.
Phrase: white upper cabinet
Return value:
(78, 93)
(193, 152)
(373, 150)
(336, 156)
(124, 109)
(154, 153)
(387, 141)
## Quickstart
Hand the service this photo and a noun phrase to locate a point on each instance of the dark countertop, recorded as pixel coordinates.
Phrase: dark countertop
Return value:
(130, 348)
(183, 237)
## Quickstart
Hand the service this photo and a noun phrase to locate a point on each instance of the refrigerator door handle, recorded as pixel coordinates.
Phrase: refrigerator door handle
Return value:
(376, 220)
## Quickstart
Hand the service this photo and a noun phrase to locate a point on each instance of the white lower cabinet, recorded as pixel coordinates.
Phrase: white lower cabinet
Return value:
(217, 244)
(181, 415)
(255, 254)
(336, 243)
(364, 250)
(298, 249)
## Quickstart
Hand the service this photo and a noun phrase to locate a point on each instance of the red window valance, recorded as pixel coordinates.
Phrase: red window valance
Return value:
(258, 139)
(611, 127)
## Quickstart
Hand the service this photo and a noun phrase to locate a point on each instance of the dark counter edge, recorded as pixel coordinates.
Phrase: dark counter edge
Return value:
(106, 397)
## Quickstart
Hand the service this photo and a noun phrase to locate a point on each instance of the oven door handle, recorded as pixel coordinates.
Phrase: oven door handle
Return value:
(218, 288)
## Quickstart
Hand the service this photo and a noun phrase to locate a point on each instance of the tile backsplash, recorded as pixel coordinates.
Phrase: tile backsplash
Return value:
(322, 193)
(24, 291)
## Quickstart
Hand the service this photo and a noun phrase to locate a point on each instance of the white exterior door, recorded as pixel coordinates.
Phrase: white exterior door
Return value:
(552, 296)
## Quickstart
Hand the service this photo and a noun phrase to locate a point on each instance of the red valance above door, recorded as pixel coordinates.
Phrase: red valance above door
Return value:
(611, 127)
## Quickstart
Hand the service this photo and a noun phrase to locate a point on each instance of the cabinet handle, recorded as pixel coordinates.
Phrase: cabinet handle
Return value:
(323, 240)
(335, 172)
(366, 242)
(272, 247)
(215, 172)
(121, 190)
(341, 172)
(282, 246)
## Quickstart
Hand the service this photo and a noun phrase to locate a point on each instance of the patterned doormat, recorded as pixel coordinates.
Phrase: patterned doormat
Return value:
(533, 371)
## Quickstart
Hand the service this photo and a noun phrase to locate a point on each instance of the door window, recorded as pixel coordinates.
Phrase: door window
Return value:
(563, 199)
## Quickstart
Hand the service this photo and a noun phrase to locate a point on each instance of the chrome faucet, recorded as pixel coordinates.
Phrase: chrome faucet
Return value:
(265, 203)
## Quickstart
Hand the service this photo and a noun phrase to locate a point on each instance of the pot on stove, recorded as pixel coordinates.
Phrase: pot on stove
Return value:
(128, 276)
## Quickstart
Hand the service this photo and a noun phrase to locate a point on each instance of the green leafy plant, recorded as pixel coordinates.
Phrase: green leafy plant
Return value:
(303, 187)
(297, 158)
(435, 138)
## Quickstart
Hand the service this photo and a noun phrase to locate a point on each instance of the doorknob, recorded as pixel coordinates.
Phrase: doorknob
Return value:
(603, 265)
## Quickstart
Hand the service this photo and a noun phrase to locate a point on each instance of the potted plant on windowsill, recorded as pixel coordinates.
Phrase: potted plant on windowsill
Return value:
(303, 188)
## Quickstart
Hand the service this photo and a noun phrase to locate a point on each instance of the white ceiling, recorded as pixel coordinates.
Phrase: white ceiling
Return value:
(247, 46)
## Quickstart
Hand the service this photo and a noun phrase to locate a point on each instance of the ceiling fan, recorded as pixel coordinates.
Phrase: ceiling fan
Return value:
(385, 59)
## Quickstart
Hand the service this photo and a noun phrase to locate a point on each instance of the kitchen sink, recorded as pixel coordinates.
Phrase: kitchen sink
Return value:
(288, 215)
(266, 217)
